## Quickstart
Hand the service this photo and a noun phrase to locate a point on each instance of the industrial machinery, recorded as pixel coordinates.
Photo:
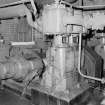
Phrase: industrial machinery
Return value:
(54, 52)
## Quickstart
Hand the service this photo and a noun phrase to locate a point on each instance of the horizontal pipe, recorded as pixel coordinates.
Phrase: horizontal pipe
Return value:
(73, 20)
(92, 7)
(22, 43)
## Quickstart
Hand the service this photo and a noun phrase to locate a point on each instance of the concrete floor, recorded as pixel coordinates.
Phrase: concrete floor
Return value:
(9, 98)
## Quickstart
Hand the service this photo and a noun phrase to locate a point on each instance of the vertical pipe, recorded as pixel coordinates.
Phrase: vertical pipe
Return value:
(34, 7)
(79, 63)
(60, 54)
(81, 3)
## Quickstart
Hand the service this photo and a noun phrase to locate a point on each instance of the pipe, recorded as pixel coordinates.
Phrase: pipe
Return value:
(75, 20)
(69, 2)
(66, 3)
(36, 24)
(80, 2)
(79, 64)
(92, 7)
(33, 5)
(22, 43)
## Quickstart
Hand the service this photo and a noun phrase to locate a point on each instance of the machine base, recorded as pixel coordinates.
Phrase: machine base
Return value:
(42, 97)
(39, 95)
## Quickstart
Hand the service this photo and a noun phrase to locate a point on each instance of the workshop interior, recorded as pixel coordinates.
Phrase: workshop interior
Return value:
(52, 52)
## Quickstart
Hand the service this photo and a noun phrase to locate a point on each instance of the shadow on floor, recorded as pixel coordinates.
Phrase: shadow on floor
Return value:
(9, 98)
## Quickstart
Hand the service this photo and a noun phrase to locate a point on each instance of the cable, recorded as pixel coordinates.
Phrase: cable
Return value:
(28, 83)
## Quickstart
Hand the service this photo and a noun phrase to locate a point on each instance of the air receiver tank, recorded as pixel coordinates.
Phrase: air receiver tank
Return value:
(56, 17)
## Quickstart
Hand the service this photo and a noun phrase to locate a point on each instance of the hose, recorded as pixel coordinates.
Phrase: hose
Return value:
(27, 83)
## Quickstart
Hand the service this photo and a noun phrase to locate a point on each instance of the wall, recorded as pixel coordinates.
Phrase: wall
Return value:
(94, 2)
(7, 1)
